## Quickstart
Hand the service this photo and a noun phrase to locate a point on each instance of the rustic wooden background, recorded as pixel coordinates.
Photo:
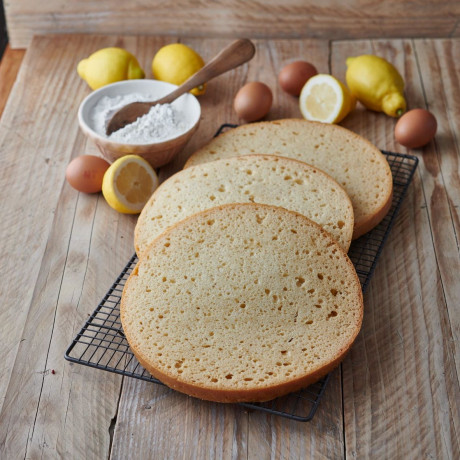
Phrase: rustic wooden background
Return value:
(328, 19)
(396, 395)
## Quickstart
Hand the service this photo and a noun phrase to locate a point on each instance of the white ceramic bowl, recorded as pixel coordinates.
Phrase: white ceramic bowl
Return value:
(158, 153)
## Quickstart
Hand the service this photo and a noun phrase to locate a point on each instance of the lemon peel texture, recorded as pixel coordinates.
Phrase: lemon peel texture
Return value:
(376, 83)
(109, 65)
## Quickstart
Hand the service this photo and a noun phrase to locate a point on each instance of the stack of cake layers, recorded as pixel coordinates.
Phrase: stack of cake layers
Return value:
(243, 290)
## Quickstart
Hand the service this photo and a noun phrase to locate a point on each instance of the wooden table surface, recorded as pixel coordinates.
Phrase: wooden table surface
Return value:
(396, 395)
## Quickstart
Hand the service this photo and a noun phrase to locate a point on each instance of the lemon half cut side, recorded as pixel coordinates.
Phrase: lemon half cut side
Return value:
(325, 99)
(128, 184)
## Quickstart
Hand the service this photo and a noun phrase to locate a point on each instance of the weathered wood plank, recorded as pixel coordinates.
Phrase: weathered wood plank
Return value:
(257, 19)
(63, 250)
(29, 190)
(271, 436)
(176, 425)
(70, 247)
(440, 75)
(10, 63)
(401, 391)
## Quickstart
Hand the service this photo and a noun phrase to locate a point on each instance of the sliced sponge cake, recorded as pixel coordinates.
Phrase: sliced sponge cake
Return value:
(255, 178)
(357, 165)
(242, 302)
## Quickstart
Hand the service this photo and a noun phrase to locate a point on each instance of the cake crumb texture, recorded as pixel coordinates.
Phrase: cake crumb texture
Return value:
(356, 164)
(265, 179)
(242, 302)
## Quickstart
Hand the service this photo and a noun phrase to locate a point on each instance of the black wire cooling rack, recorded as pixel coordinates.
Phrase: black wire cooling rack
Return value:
(101, 343)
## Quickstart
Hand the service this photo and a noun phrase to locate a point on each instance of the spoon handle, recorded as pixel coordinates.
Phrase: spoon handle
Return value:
(235, 54)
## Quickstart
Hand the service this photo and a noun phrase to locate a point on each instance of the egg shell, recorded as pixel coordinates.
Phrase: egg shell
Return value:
(293, 76)
(253, 101)
(415, 128)
(85, 173)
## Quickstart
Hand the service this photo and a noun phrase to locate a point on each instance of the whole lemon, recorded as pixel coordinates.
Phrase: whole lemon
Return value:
(377, 84)
(109, 65)
(175, 63)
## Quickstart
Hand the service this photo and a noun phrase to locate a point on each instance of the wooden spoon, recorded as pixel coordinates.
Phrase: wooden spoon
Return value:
(237, 53)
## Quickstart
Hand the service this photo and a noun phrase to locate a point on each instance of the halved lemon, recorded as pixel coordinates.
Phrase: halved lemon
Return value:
(128, 184)
(324, 98)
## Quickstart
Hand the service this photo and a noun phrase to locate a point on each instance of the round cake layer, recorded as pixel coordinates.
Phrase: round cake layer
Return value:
(264, 179)
(357, 165)
(242, 302)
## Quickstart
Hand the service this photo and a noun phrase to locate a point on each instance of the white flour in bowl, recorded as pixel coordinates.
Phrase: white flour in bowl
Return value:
(160, 123)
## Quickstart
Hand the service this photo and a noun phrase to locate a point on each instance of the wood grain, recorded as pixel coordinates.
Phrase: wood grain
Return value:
(441, 73)
(176, 425)
(402, 379)
(396, 395)
(235, 18)
(10, 63)
(51, 287)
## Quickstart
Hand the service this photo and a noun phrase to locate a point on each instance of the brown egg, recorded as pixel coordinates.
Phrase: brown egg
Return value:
(293, 76)
(85, 173)
(415, 128)
(253, 101)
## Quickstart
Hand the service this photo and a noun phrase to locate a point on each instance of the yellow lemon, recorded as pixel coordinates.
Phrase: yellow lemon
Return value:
(376, 84)
(109, 65)
(175, 63)
(128, 184)
(326, 99)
